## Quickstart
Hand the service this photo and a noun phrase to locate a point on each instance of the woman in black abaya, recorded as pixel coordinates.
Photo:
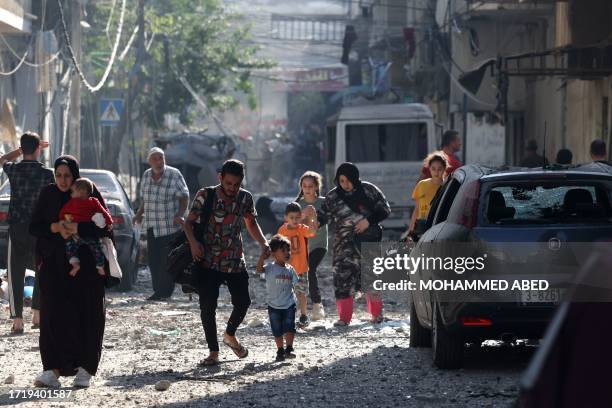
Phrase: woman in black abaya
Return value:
(72, 312)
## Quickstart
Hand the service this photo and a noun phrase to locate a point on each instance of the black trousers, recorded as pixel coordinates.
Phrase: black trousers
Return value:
(157, 249)
(208, 282)
(314, 259)
(21, 255)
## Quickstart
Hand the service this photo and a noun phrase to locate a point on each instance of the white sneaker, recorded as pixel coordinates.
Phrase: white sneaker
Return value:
(82, 378)
(318, 313)
(47, 379)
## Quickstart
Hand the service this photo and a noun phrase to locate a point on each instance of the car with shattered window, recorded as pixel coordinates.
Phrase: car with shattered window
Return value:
(530, 223)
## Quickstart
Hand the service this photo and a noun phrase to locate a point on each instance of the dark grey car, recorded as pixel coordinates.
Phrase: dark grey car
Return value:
(526, 219)
(126, 235)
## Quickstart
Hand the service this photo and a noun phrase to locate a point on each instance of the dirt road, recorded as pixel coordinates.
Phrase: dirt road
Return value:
(362, 365)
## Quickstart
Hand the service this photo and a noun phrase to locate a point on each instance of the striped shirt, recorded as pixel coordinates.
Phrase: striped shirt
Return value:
(160, 200)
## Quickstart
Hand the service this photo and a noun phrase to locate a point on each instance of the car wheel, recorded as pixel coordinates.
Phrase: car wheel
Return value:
(419, 335)
(447, 347)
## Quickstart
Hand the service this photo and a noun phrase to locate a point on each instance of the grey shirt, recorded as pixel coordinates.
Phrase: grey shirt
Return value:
(279, 285)
(319, 240)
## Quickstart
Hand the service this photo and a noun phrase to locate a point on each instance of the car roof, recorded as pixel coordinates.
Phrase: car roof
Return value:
(590, 170)
(97, 171)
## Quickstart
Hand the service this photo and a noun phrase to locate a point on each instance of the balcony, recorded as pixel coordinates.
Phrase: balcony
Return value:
(313, 28)
(509, 8)
(16, 16)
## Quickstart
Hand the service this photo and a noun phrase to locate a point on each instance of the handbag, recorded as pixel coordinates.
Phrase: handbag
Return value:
(180, 262)
(108, 248)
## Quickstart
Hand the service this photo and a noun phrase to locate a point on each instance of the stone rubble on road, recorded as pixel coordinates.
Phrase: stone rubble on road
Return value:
(158, 345)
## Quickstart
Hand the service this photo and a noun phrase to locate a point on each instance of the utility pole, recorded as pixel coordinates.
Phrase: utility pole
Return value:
(113, 149)
(74, 119)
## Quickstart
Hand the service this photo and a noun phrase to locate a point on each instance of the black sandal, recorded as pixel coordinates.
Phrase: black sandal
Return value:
(209, 362)
(240, 350)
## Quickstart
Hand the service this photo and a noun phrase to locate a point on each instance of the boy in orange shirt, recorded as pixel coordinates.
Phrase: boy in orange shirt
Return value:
(298, 235)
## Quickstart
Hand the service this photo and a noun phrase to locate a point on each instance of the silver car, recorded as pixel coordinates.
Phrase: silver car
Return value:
(126, 235)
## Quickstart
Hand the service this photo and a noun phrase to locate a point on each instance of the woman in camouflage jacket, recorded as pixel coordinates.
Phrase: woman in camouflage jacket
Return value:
(355, 208)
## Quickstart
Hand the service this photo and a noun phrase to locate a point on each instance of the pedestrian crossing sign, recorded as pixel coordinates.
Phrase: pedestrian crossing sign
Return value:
(110, 111)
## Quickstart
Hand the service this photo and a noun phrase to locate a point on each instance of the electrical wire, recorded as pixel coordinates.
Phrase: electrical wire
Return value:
(396, 7)
(29, 64)
(302, 51)
(203, 104)
(129, 44)
(110, 17)
(78, 69)
(294, 81)
(9, 73)
(22, 59)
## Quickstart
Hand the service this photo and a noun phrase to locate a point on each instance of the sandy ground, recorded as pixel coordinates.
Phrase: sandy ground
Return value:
(364, 364)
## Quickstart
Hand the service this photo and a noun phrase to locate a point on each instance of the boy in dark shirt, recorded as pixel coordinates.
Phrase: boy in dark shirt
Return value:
(26, 179)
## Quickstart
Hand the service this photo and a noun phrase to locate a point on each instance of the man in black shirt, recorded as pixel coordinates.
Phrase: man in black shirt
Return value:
(533, 159)
(26, 178)
(564, 157)
(599, 152)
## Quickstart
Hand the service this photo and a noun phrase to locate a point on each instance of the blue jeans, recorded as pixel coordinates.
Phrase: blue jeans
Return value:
(282, 320)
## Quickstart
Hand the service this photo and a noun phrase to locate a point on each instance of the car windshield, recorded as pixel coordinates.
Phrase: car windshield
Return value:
(545, 203)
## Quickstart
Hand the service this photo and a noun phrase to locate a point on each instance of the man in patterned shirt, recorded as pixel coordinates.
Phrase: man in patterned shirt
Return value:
(26, 178)
(165, 197)
(219, 254)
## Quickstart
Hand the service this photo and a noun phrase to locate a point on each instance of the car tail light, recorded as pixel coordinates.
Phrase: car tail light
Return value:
(3, 216)
(118, 221)
(476, 321)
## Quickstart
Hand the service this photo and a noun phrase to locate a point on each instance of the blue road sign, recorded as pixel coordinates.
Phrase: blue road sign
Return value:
(110, 111)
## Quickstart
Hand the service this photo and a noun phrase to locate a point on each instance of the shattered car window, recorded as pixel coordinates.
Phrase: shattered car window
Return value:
(548, 203)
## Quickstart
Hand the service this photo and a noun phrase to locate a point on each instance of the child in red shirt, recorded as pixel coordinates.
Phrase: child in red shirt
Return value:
(81, 208)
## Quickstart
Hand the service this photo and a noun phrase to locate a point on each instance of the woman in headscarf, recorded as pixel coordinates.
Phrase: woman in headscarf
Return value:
(72, 313)
(356, 209)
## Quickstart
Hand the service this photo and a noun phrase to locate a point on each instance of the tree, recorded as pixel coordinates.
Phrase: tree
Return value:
(197, 40)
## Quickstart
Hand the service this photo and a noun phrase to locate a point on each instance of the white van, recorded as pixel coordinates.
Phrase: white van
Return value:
(388, 143)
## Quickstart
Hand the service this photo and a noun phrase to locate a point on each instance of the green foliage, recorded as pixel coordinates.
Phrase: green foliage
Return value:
(196, 39)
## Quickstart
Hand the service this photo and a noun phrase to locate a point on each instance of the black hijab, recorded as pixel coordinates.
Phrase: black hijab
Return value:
(73, 165)
(356, 199)
(71, 162)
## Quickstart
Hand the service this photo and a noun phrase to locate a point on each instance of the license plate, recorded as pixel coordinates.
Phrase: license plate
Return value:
(541, 296)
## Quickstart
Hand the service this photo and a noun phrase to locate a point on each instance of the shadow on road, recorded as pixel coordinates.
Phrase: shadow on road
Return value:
(388, 376)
